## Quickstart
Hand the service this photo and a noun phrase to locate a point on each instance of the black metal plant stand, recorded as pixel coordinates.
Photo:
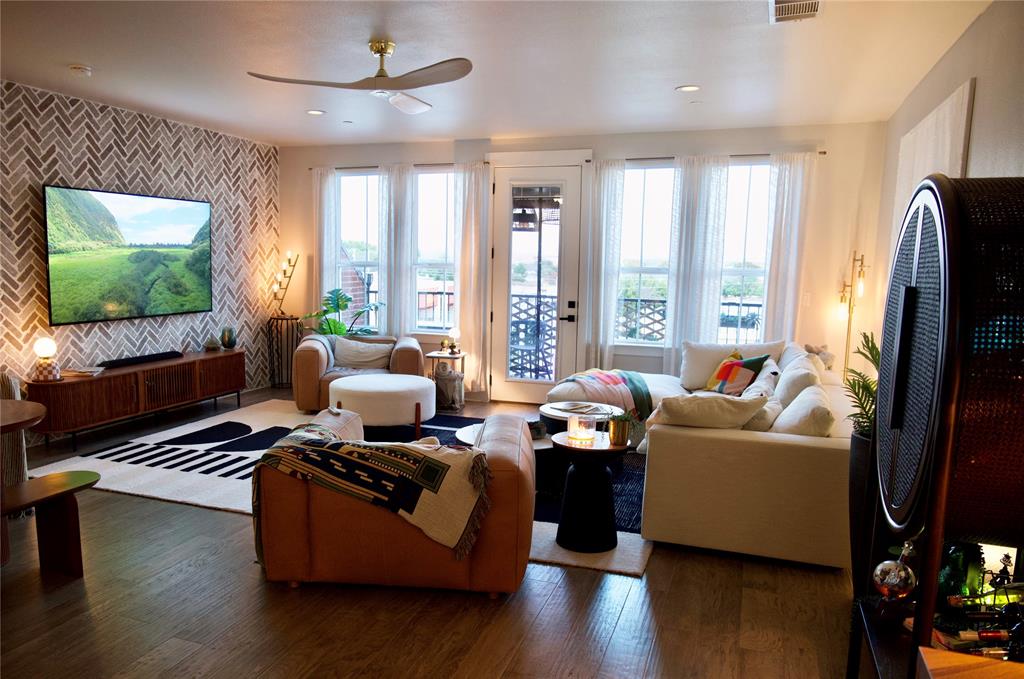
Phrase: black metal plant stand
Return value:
(283, 336)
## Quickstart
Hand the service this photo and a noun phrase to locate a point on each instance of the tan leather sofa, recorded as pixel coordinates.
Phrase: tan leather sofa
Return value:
(313, 366)
(311, 534)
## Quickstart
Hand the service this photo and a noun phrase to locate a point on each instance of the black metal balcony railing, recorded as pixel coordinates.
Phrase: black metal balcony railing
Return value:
(533, 325)
(643, 320)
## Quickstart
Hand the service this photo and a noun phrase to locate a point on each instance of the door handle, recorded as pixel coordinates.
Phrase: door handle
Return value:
(571, 318)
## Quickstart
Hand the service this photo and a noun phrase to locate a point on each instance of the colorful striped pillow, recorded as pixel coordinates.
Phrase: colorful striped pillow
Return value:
(735, 374)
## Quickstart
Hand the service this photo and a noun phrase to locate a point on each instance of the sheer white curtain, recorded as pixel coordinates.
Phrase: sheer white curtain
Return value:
(327, 243)
(788, 191)
(472, 202)
(695, 257)
(398, 251)
(603, 252)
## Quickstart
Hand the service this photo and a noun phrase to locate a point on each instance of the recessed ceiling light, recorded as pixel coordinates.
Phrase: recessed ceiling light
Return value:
(81, 70)
(687, 88)
(315, 112)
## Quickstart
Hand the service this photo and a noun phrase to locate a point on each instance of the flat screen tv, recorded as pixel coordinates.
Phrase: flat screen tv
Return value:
(117, 255)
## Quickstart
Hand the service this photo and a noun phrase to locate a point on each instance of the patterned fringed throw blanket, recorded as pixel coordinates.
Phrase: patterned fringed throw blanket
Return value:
(440, 490)
(622, 388)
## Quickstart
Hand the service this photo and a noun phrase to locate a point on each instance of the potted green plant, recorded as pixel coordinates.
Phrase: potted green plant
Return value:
(862, 389)
(328, 319)
(619, 428)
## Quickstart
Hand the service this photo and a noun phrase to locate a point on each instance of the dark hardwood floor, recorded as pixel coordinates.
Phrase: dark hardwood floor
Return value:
(173, 590)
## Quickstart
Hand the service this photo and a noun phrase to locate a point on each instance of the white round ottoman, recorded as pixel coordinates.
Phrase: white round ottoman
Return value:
(385, 400)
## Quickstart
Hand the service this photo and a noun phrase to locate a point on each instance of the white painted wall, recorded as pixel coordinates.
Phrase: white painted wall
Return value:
(844, 205)
(991, 50)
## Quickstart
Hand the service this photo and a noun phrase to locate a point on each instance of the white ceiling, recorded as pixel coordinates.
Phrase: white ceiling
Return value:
(540, 68)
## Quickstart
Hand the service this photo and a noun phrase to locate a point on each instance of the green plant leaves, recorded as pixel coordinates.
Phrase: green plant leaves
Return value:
(862, 388)
(334, 303)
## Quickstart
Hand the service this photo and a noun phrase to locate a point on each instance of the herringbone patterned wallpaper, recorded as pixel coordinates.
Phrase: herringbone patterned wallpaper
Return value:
(55, 139)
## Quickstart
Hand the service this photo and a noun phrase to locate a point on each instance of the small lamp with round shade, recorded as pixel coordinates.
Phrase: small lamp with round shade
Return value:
(454, 334)
(47, 369)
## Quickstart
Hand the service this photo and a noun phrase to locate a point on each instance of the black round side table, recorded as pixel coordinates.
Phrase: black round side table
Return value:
(587, 523)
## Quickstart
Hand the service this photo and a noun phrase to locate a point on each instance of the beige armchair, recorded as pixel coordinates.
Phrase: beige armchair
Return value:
(314, 366)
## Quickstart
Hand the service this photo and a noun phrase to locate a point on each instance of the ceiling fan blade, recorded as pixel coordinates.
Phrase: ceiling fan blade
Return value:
(406, 103)
(364, 84)
(435, 74)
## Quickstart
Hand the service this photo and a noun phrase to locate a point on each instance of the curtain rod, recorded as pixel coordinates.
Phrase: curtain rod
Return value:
(732, 155)
(377, 167)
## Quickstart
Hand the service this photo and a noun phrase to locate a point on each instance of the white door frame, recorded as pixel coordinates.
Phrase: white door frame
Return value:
(568, 158)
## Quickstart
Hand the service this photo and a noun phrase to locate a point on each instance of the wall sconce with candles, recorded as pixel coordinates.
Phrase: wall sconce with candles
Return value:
(849, 293)
(282, 279)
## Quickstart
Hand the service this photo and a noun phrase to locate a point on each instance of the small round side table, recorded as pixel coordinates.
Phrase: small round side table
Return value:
(436, 356)
(587, 523)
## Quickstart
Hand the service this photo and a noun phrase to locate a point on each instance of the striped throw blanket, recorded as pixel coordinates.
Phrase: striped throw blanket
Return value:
(623, 388)
(441, 490)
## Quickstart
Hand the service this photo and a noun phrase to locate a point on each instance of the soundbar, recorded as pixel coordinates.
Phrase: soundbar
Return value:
(137, 360)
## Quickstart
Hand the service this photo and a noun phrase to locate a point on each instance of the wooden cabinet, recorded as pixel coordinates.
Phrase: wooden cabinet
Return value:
(219, 377)
(77, 403)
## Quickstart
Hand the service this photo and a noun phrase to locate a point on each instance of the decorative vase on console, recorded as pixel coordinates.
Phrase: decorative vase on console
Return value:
(228, 339)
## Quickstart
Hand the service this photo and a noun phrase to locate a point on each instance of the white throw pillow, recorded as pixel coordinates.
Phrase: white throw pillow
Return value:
(700, 360)
(764, 384)
(810, 414)
(707, 409)
(819, 365)
(792, 352)
(355, 354)
(794, 380)
(764, 418)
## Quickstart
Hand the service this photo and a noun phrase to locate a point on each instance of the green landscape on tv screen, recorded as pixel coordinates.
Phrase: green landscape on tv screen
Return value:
(115, 255)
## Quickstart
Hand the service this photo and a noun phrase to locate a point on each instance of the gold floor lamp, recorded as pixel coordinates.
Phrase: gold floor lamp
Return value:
(848, 295)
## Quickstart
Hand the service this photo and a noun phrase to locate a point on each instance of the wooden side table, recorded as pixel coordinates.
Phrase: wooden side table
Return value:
(587, 523)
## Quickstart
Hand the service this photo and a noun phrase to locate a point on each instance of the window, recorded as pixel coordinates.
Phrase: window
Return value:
(646, 237)
(435, 250)
(744, 266)
(359, 266)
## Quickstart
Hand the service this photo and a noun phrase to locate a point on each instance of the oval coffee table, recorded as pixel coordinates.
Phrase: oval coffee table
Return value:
(587, 523)
(556, 415)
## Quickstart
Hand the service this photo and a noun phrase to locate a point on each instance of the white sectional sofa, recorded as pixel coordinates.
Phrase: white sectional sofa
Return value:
(761, 493)
(769, 494)
(777, 495)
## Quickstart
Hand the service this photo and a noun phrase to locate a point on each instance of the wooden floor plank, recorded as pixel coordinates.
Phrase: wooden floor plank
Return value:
(496, 644)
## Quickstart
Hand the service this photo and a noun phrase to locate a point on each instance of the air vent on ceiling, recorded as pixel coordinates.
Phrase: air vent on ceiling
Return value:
(792, 10)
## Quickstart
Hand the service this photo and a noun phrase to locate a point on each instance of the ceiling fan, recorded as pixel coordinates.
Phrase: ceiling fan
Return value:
(393, 88)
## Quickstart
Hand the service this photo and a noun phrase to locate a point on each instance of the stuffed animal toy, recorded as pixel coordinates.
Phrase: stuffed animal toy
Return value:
(827, 357)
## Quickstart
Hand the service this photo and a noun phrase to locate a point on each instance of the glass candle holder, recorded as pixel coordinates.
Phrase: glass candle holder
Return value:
(581, 428)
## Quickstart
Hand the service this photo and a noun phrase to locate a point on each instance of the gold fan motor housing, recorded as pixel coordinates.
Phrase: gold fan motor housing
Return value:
(382, 49)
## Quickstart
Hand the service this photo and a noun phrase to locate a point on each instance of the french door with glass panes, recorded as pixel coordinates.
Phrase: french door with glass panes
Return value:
(535, 280)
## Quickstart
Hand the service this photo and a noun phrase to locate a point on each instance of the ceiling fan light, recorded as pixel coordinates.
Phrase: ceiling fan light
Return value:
(406, 103)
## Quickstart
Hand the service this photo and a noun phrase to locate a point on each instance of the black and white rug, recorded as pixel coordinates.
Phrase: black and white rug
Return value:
(209, 463)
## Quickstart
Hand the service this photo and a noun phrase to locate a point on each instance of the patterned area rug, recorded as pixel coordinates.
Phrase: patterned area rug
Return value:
(209, 463)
